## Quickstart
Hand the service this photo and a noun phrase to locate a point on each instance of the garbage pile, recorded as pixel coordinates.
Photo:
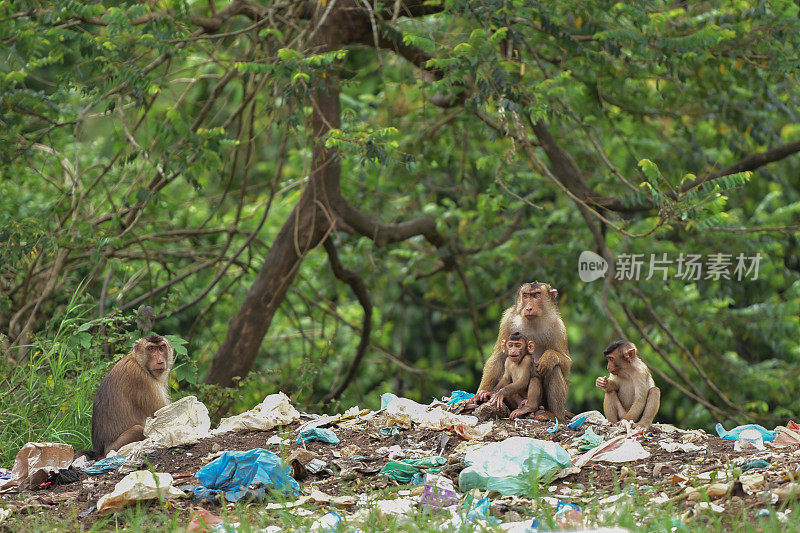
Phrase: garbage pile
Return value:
(410, 461)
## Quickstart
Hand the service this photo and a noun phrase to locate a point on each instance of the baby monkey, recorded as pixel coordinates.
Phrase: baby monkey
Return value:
(519, 378)
(630, 392)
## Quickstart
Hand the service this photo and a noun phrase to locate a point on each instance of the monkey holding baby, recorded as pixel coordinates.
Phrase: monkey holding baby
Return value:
(535, 316)
(134, 389)
(630, 392)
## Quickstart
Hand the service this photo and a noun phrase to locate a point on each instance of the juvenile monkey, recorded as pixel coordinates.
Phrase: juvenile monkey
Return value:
(135, 388)
(630, 392)
(518, 373)
(535, 315)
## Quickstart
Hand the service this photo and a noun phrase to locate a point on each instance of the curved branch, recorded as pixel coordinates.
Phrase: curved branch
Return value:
(357, 284)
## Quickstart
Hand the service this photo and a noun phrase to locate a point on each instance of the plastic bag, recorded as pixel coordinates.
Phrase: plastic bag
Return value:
(459, 395)
(787, 435)
(318, 434)
(766, 435)
(509, 466)
(620, 449)
(275, 410)
(109, 464)
(138, 486)
(405, 470)
(35, 462)
(403, 412)
(233, 471)
(588, 440)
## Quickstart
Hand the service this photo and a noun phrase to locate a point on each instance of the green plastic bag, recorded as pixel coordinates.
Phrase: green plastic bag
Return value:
(510, 466)
(405, 470)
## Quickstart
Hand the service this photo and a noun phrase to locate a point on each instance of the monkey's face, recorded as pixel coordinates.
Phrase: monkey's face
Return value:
(516, 350)
(533, 297)
(613, 361)
(154, 354)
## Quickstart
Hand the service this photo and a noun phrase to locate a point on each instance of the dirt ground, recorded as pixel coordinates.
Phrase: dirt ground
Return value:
(664, 473)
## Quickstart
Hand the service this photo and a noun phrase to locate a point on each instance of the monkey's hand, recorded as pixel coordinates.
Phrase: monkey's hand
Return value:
(497, 399)
(483, 395)
(547, 362)
(605, 384)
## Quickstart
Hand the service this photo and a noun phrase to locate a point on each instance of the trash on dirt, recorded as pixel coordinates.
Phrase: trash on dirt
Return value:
(329, 522)
(35, 462)
(749, 439)
(673, 447)
(138, 486)
(318, 434)
(234, 471)
(577, 423)
(405, 470)
(554, 428)
(710, 505)
(109, 464)
(458, 395)
(439, 493)
(792, 490)
(4, 513)
(391, 431)
(316, 465)
(752, 482)
(65, 476)
(590, 417)
(204, 520)
(619, 449)
(766, 435)
(80, 463)
(588, 440)
(277, 440)
(402, 412)
(398, 506)
(274, 410)
(759, 464)
(340, 501)
(176, 424)
(567, 516)
(508, 465)
(788, 435)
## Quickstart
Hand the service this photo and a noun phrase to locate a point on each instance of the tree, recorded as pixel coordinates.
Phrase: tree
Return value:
(496, 139)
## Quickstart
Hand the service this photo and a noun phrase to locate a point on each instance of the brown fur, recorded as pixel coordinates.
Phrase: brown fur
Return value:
(133, 390)
(630, 392)
(551, 357)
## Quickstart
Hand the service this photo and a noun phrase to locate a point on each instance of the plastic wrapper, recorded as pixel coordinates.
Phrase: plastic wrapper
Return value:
(234, 471)
(405, 470)
(138, 486)
(109, 464)
(438, 494)
(183, 422)
(620, 449)
(275, 410)
(318, 434)
(35, 462)
(787, 435)
(509, 466)
(588, 440)
(458, 395)
(766, 435)
(403, 412)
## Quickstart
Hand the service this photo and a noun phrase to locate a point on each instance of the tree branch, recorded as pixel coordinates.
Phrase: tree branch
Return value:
(357, 284)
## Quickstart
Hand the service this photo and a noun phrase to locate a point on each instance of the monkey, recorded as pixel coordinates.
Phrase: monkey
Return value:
(135, 388)
(535, 315)
(517, 375)
(630, 392)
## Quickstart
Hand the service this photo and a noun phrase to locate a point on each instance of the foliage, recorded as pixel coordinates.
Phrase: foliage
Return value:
(154, 161)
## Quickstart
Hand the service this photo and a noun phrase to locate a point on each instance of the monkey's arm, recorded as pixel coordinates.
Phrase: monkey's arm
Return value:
(493, 368)
(552, 358)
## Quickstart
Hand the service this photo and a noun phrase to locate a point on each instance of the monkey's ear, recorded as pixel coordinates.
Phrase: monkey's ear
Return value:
(531, 347)
(630, 353)
(553, 294)
(137, 346)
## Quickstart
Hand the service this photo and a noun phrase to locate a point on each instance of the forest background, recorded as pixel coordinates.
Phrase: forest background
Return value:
(337, 199)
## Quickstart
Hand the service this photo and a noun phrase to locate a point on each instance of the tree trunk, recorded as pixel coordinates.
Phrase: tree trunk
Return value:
(304, 229)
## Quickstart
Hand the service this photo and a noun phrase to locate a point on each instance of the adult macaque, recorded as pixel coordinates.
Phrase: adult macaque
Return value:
(135, 388)
(535, 315)
(630, 392)
(518, 369)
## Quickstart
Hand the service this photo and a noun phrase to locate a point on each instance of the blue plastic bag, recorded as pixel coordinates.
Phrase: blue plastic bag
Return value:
(233, 471)
(109, 464)
(459, 395)
(576, 425)
(320, 434)
(766, 435)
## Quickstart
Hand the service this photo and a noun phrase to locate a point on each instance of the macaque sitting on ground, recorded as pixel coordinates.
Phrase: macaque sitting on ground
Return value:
(630, 392)
(518, 376)
(134, 389)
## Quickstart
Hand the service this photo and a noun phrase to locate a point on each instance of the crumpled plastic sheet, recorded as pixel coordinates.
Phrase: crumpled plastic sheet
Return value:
(109, 464)
(403, 412)
(233, 471)
(35, 462)
(620, 449)
(179, 423)
(588, 440)
(274, 410)
(509, 465)
(590, 417)
(766, 435)
(138, 486)
(787, 435)
(405, 470)
(318, 434)
(458, 395)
